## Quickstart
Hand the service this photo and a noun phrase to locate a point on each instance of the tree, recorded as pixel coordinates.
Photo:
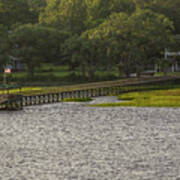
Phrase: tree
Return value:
(84, 53)
(35, 7)
(69, 15)
(126, 6)
(72, 54)
(15, 12)
(133, 38)
(4, 48)
(35, 44)
(170, 9)
(92, 52)
(100, 10)
(37, 4)
(78, 16)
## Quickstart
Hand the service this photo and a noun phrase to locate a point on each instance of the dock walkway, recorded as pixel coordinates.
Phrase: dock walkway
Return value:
(17, 101)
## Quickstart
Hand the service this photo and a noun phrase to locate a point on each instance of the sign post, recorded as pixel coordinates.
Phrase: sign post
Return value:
(6, 71)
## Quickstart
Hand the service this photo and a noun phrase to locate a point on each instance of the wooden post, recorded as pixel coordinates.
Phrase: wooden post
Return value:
(36, 100)
(78, 94)
(73, 94)
(91, 91)
(56, 97)
(59, 97)
(46, 98)
(41, 99)
(24, 100)
(21, 102)
(99, 92)
(62, 96)
(30, 100)
(53, 98)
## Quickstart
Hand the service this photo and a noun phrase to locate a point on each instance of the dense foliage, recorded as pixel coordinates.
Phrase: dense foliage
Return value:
(128, 35)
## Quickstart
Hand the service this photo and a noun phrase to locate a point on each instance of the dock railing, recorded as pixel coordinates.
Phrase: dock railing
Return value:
(90, 92)
(17, 101)
(10, 101)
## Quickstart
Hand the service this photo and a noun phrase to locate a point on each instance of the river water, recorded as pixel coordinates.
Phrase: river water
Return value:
(71, 141)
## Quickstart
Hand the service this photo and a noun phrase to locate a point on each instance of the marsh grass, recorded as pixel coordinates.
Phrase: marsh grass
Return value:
(156, 98)
(77, 99)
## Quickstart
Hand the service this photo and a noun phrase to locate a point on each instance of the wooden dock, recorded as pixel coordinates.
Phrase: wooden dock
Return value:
(11, 102)
(17, 101)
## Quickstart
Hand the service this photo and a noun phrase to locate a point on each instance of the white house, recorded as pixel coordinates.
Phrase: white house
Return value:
(174, 57)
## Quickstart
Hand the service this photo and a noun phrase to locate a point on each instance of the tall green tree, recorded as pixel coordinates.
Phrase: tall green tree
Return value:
(4, 46)
(69, 15)
(170, 9)
(99, 10)
(79, 15)
(133, 38)
(15, 12)
(85, 53)
(35, 8)
(34, 44)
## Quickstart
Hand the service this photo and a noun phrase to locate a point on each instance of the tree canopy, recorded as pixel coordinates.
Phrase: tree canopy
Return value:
(4, 46)
(133, 39)
(34, 44)
(88, 34)
(16, 12)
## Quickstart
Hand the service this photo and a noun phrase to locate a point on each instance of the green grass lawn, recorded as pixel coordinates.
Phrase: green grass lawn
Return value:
(57, 78)
(155, 98)
(55, 75)
(49, 74)
(168, 74)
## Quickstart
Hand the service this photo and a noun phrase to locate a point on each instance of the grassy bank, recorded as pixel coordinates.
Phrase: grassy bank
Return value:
(154, 98)
(56, 75)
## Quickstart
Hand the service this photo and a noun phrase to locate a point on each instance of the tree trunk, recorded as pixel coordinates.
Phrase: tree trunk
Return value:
(138, 74)
(83, 70)
(31, 70)
(127, 75)
(91, 72)
(119, 71)
(72, 66)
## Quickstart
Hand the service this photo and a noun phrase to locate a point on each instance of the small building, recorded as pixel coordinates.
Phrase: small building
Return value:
(15, 64)
(173, 57)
